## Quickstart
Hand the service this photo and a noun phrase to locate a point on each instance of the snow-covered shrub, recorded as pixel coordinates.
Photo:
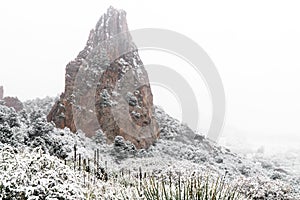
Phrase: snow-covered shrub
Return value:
(99, 137)
(44, 104)
(39, 124)
(262, 188)
(19, 129)
(33, 175)
(9, 123)
(172, 129)
(5, 132)
(123, 149)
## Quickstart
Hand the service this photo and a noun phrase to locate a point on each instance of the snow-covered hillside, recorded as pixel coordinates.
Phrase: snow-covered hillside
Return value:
(37, 161)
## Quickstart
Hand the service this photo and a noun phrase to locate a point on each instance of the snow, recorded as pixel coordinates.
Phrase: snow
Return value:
(33, 154)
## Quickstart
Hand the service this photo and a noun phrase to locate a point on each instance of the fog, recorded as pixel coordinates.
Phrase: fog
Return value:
(255, 46)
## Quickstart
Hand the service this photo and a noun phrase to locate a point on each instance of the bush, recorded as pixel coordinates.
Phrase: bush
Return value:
(123, 149)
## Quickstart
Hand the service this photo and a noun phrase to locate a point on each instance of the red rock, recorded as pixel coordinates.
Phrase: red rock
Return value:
(107, 87)
(13, 102)
(1, 92)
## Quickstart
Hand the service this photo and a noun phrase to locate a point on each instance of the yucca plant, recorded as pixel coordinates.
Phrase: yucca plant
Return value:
(169, 186)
(198, 188)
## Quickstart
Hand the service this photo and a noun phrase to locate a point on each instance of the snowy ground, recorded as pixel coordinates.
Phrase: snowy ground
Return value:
(282, 154)
(37, 160)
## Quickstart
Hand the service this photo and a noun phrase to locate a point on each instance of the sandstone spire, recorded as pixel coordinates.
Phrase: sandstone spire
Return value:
(107, 87)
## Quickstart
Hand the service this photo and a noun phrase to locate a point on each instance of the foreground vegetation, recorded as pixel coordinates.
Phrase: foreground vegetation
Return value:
(29, 174)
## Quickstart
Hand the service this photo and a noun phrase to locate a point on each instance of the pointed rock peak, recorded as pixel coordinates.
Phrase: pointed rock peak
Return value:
(107, 87)
(111, 11)
(111, 23)
(110, 28)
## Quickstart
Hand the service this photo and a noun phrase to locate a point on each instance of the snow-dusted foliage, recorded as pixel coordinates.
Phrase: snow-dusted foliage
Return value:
(44, 104)
(32, 130)
(172, 129)
(30, 174)
(123, 149)
(37, 161)
(99, 137)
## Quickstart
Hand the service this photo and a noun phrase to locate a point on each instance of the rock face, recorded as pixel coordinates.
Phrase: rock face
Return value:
(107, 87)
(12, 102)
(1, 92)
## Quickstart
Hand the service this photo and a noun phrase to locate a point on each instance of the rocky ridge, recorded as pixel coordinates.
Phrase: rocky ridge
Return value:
(12, 102)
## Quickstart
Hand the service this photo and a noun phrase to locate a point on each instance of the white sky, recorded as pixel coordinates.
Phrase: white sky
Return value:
(254, 44)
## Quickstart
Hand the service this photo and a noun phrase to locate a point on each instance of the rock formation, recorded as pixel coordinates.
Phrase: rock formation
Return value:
(1, 92)
(107, 87)
(12, 102)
